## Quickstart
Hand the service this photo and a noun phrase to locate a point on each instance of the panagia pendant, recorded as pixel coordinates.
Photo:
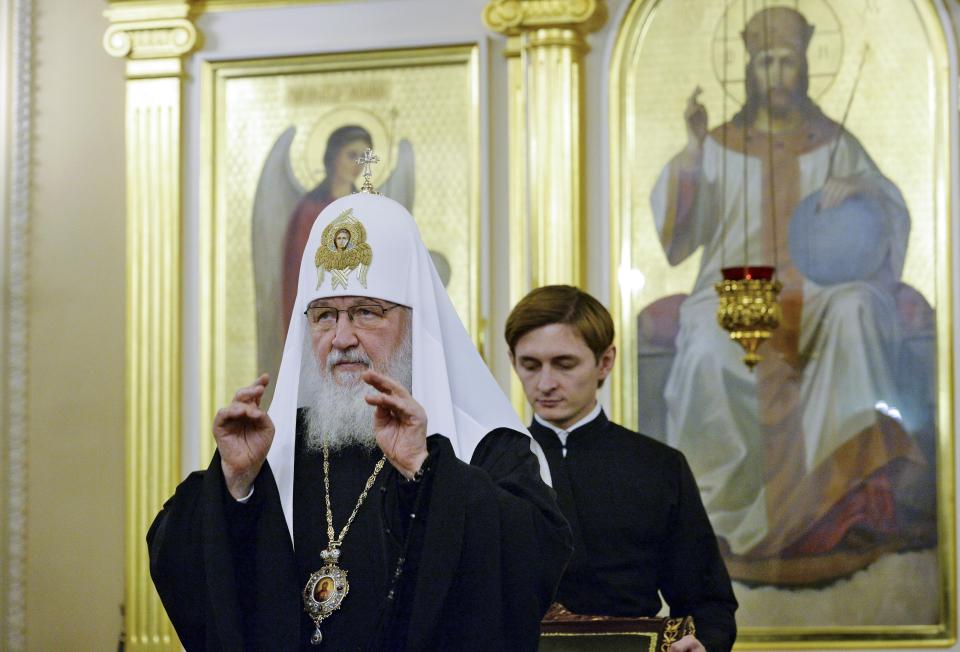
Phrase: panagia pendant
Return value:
(325, 591)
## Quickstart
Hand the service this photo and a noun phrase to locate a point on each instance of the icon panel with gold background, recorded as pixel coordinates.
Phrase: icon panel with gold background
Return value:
(281, 137)
(824, 470)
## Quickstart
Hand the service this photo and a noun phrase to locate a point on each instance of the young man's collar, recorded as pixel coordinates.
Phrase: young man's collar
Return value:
(563, 432)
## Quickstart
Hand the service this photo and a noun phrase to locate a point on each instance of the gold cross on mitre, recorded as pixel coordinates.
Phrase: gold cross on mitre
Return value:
(368, 159)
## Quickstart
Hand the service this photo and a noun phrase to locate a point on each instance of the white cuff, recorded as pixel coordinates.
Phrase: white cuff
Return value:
(246, 498)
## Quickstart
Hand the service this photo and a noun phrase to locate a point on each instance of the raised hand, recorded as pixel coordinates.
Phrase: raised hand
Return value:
(695, 115)
(400, 423)
(244, 433)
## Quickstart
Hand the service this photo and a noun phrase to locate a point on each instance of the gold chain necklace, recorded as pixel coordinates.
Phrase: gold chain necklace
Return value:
(327, 587)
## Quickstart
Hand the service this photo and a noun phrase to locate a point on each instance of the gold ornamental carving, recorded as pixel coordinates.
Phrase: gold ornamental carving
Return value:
(512, 16)
(150, 39)
(147, 33)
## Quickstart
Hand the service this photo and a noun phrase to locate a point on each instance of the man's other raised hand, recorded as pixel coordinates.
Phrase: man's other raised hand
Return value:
(400, 423)
(244, 433)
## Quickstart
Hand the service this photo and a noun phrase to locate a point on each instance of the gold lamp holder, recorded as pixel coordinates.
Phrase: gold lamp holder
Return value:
(748, 308)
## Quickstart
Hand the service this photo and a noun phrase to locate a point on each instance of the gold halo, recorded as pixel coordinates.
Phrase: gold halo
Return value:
(307, 158)
(827, 42)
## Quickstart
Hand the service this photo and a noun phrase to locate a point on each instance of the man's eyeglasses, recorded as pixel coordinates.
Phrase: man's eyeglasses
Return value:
(367, 316)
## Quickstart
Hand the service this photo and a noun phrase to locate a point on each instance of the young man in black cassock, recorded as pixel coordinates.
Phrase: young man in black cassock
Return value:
(334, 522)
(638, 523)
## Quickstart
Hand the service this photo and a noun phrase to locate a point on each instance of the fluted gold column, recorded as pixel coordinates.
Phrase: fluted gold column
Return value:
(153, 37)
(545, 51)
(519, 277)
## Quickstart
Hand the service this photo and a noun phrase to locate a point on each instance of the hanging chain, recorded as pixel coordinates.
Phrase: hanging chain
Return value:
(335, 542)
(724, 151)
(746, 176)
(771, 167)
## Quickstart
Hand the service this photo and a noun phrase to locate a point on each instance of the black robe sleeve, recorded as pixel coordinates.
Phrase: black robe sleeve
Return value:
(487, 556)
(177, 529)
(694, 580)
(207, 580)
(494, 548)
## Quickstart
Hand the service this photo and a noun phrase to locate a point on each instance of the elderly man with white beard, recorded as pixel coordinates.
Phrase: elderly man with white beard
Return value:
(334, 520)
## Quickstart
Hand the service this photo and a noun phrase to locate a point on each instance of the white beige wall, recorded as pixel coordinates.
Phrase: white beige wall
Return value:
(74, 572)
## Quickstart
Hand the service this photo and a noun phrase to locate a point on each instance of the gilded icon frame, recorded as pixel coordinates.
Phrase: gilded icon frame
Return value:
(637, 260)
(375, 89)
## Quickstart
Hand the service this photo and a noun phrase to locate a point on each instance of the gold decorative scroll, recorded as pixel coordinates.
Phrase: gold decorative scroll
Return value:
(152, 38)
(545, 50)
(153, 32)
(515, 16)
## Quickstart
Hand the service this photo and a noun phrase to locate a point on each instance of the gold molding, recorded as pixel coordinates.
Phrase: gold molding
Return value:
(132, 10)
(152, 9)
(153, 37)
(512, 17)
(150, 39)
(519, 265)
(239, 5)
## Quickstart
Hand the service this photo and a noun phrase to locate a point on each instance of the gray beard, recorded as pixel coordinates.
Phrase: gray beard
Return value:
(336, 411)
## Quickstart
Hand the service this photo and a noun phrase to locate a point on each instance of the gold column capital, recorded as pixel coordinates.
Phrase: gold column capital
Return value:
(511, 17)
(150, 29)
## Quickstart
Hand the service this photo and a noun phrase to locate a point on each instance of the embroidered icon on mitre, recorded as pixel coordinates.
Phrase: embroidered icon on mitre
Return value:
(343, 248)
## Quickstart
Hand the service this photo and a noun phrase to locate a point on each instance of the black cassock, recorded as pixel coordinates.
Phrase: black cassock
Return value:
(481, 558)
(639, 527)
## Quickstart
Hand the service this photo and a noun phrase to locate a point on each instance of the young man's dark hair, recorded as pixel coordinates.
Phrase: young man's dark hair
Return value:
(561, 304)
(639, 525)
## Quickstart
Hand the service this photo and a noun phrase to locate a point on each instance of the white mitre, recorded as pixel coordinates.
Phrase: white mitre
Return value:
(386, 259)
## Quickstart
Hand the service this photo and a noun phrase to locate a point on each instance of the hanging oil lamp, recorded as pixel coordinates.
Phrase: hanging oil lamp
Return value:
(748, 308)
